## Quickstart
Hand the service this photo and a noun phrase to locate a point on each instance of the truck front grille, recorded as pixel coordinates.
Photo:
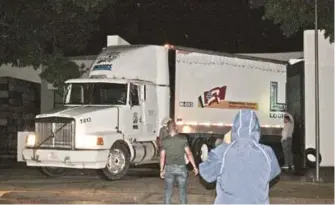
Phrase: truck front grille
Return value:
(59, 131)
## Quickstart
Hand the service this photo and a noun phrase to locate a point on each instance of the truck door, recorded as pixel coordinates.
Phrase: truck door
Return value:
(149, 110)
(136, 111)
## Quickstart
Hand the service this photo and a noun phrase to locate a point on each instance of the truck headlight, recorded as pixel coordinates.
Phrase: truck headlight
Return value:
(30, 140)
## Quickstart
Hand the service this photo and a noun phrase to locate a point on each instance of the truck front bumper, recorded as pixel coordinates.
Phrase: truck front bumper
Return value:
(77, 159)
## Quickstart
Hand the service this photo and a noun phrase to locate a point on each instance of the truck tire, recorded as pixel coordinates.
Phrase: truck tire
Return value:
(211, 142)
(309, 163)
(200, 150)
(53, 172)
(118, 163)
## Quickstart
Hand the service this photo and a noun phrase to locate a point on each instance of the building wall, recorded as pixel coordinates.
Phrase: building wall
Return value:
(23, 95)
(19, 104)
(326, 95)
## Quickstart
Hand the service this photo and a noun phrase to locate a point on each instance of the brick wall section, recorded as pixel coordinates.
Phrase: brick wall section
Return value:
(19, 104)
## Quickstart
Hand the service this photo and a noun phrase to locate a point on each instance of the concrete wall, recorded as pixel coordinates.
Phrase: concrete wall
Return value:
(326, 93)
(30, 74)
(25, 73)
(19, 104)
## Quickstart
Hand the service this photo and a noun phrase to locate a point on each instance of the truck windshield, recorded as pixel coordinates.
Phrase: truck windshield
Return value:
(97, 94)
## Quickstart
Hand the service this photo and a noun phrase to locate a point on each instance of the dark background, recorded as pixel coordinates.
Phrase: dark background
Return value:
(220, 25)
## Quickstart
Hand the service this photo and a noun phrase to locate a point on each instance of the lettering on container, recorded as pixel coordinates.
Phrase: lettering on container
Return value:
(186, 104)
(277, 109)
(102, 67)
(108, 57)
(279, 115)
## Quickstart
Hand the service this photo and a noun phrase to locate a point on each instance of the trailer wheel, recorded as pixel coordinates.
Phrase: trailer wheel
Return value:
(117, 164)
(211, 142)
(53, 172)
(310, 154)
(200, 151)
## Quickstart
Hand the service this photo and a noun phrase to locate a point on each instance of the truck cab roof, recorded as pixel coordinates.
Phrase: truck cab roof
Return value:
(108, 80)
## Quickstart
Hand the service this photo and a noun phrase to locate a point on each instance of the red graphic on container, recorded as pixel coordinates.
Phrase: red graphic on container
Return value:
(215, 95)
(215, 98)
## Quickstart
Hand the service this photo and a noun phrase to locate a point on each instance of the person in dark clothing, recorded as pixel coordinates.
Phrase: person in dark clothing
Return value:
(172, 163)
(163, 132)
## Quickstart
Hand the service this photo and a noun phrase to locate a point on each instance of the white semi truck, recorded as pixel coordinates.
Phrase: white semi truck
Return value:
(111, 119)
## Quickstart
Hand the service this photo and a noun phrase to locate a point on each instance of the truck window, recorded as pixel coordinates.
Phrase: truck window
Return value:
(134, 94)
(98, 94)
(79, 94)
(109, 94)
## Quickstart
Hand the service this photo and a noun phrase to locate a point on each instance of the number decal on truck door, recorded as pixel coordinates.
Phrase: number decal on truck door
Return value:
(85, 120)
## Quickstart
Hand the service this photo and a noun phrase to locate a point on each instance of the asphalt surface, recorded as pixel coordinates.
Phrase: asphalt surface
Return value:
(19, 184)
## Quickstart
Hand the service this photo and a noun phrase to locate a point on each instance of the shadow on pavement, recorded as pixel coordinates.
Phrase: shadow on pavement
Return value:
(11, 167)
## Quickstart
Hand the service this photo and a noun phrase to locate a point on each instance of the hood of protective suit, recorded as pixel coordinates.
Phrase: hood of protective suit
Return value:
(290, 116)
(246, 126)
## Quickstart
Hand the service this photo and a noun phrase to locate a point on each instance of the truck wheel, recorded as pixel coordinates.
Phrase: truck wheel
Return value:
(53, 172)
(200, 151)
(211, 142)
(312, 152)
(117, 164)
(204, 152)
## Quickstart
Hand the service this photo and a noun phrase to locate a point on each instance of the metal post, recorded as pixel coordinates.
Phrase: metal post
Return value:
(138, 22)
(317, 112)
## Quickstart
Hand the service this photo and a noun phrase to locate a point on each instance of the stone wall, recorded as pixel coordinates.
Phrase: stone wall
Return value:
(19, 104)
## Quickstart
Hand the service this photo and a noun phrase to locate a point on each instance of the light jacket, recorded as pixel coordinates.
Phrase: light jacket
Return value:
(288, 129)
(244, 168)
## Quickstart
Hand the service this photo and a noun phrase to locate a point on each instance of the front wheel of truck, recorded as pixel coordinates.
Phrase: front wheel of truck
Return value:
(117, 164)
(53, 172)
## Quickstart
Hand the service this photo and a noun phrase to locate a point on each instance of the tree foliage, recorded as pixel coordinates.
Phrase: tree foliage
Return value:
(294, 15)
(44, 32)
(40, 32)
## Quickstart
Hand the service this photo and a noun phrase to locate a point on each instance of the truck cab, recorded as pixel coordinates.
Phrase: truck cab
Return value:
(109, 120)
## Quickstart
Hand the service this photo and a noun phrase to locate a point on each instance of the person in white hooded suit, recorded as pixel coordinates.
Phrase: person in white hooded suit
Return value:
(242, 168)
(286, 140)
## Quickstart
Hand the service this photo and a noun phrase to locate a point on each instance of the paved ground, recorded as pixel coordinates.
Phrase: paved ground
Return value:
(26, 185)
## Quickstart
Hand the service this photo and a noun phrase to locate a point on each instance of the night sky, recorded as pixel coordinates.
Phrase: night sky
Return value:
(220, 25)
